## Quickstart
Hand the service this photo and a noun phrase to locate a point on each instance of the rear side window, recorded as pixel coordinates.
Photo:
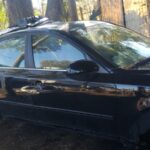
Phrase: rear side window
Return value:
(12, 52)
(54, 53)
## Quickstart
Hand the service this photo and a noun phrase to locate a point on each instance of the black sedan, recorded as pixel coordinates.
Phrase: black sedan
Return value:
(92, 77)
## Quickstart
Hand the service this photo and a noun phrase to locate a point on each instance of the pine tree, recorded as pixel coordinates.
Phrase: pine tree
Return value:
(54, 10)
(18, 9)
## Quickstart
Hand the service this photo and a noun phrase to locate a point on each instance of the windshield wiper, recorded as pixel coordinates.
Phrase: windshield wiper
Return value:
(141, 63)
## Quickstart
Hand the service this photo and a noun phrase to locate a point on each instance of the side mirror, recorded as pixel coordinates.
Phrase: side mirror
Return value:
(83, 66)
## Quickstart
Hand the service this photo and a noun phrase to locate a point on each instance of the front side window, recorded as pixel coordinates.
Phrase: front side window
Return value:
(144, 67)
(12, 52)
(53, 52)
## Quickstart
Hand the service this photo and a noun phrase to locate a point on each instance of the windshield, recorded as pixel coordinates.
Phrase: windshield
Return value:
(121, 47)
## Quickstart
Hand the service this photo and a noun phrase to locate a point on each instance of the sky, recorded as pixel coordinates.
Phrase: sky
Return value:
(37, 3)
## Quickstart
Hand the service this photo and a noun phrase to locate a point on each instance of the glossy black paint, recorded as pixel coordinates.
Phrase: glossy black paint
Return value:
(108, 103)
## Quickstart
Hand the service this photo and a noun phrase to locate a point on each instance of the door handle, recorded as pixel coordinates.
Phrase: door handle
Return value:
(38, 87)
(35, 87)
(30, 89)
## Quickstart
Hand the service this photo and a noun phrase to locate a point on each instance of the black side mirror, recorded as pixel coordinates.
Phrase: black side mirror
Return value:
(83, 66)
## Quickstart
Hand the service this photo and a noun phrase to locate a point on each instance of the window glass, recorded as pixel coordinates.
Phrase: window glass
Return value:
(52, 52)
(12, 52)
(144, 67)
(121, 47)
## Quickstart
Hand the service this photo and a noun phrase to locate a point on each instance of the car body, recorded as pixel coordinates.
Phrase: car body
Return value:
(54, 74)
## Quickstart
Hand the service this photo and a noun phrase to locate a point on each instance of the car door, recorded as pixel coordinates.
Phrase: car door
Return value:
(13, 73)
(64, 100)
(12, 65)
(51, 90)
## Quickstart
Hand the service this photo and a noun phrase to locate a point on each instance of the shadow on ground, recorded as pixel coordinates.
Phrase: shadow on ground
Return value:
(18, 135)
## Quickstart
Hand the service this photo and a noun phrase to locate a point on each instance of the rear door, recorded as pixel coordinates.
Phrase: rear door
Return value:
(14, 74)
(12, 64)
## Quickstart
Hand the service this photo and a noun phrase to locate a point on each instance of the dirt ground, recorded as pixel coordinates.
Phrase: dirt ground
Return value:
(19, 135)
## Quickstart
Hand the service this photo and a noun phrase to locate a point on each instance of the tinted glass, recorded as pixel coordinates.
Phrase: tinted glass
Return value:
(12, 52)
(53, 52)
(144, 67)
(121, 47)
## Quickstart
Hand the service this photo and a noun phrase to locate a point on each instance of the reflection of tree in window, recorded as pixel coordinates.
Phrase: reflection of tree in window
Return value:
(12, 52)
(55, 64)
(119, 46)
(52, 52)
(144, 67)
(45, 43)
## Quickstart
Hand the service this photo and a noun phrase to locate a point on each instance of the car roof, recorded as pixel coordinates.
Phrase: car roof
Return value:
(60, 26)
(69, 25)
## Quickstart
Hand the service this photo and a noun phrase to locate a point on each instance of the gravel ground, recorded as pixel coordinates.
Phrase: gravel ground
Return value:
(18, 135)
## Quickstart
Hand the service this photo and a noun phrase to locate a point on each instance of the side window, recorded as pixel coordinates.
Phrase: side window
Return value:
(144, 67)
(12, 52)
(53, 52)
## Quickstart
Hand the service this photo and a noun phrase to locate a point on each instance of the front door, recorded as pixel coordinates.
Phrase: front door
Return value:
(64, 100)
(55, 96)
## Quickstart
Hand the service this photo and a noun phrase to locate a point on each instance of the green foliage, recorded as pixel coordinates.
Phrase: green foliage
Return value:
(37, 12)
(49, 64)
(65, 11)
(3, 16)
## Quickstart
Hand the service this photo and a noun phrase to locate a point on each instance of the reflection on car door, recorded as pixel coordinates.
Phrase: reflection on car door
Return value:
(12, 64)
(13, 73)
(54, 93)
(63, 100)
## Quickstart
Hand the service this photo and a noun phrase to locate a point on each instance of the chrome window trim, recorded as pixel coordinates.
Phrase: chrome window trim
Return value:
(29, 69)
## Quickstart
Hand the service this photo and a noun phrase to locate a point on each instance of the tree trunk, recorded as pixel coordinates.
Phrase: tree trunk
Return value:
(96, 11)
(112, 11)
(148, 17)
(123, 13)
(18, 9)
(54, 10)
(72, 10)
